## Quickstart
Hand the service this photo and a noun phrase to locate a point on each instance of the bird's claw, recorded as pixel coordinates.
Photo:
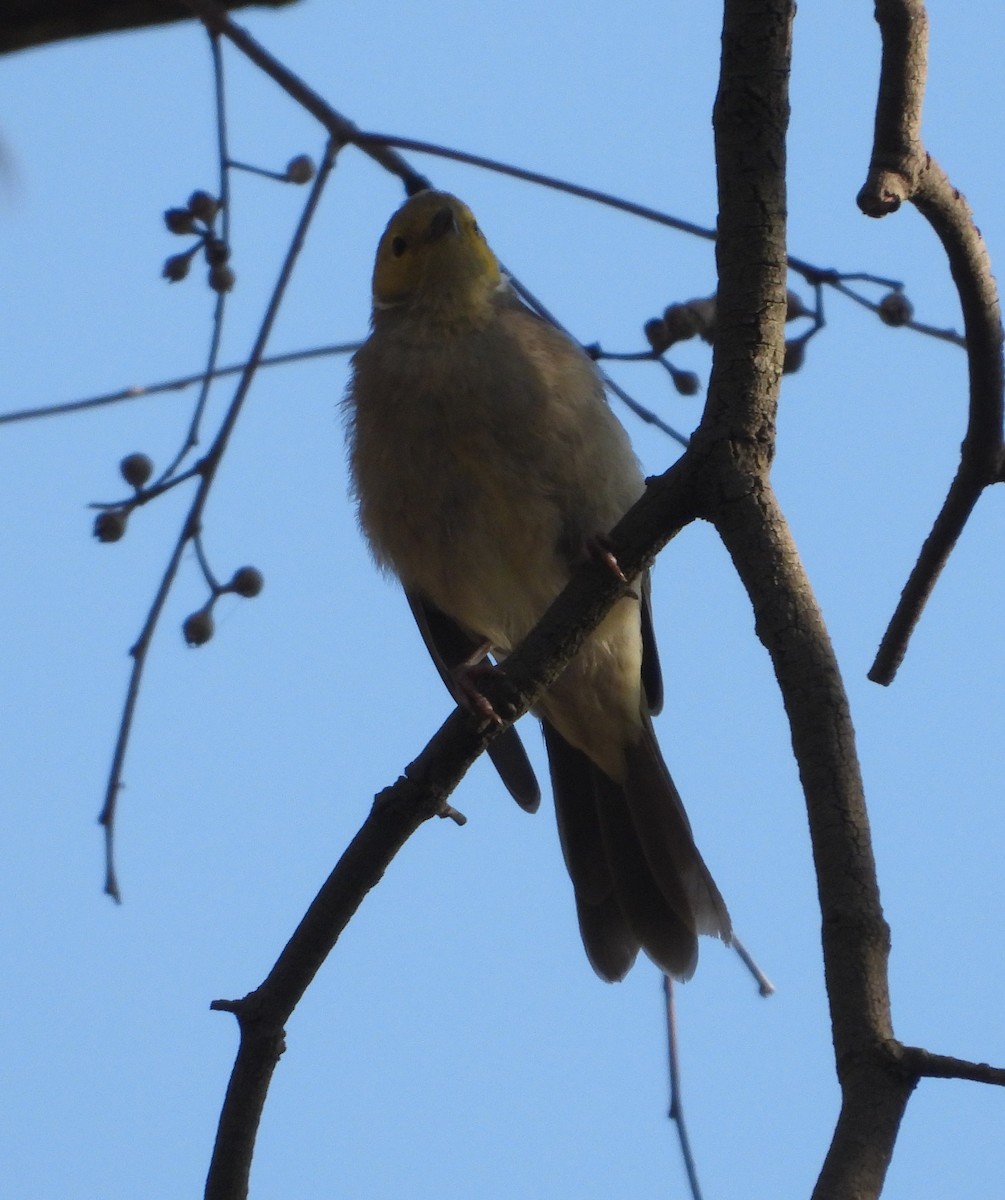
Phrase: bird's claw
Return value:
(469, 694)
(599, 549)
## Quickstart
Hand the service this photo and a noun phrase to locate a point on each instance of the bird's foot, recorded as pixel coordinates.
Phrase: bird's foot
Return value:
(599, 549)
(466, 677)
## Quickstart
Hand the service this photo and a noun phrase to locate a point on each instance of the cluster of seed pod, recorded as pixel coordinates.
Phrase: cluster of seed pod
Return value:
(697, 318)
(692, 318)
(110, 526)
(197, 628)
(198, 218)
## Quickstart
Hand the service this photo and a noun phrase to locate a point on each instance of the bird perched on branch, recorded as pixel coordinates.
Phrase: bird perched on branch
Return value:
(487, 463)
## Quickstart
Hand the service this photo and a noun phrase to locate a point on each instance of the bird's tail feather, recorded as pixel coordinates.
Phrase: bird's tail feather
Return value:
(638, 877)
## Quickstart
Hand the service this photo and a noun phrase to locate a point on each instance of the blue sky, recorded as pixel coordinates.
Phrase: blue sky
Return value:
(457, 1043)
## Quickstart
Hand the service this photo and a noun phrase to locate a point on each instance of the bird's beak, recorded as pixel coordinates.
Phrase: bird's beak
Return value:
(443, 222)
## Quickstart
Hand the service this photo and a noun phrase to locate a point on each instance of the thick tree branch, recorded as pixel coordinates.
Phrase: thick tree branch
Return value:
(900, 170)
(736, 440)
(28, 23)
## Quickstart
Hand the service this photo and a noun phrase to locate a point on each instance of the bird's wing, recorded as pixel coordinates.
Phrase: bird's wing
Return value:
(450, 646)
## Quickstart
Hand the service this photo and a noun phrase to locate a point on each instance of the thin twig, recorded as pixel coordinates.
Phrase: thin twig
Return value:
(341, 129)
(932, 331)
(764, 984)
(141, 391)
(811, 273)
(207, 571)
(206, 468)
(149, 493)
(265, 172)
(676, 1110)
(363, 140)
(638, 409)
(220, 306)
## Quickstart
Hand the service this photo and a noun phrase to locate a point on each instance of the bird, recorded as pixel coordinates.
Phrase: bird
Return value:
(486, 464)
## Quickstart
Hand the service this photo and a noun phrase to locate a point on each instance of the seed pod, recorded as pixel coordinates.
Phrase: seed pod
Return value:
(247, 582)
(197, 628)
(300, 169)
(895, 309)
(221, 278)
(110, 525)
(680, 323)
(686, 382)
(217, 251)
(702, 312)
(176, 267)
(203, 206)
(179, 220)
(136, 469)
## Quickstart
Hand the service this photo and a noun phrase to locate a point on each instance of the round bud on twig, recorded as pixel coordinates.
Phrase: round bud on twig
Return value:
(203, 206)
(300, 169)
(179, 220)
(686, 382)
(247, 582)
(656, 334)
(197, 627)
(110, 525)
(136, 469)
(221, 278)
(895, 309)
(176, 267)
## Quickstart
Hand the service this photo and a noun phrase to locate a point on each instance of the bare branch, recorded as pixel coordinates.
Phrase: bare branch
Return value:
(737, 436)
(927, 1065)
(676, 1109)
(341, 129)
(141, 391)
(764, 984)
(41, 22)
(191, 526)
(220, 307)
(902, 170)
(897, 154)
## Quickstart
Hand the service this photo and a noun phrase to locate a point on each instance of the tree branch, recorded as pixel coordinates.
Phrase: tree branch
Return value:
(28, 23)
(926, 1065)
(341, 129)
(419, 794)
(901, 169)
(737, 438)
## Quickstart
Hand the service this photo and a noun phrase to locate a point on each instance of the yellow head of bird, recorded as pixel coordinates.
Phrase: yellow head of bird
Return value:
(433, 255)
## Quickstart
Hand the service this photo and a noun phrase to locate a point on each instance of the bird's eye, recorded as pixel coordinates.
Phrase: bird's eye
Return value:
(398, 246)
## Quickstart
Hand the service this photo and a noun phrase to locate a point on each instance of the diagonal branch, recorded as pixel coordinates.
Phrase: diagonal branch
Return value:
(420, 793)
